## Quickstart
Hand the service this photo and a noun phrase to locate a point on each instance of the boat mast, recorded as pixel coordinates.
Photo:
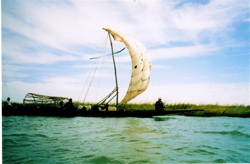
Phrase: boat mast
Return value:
(116, 81)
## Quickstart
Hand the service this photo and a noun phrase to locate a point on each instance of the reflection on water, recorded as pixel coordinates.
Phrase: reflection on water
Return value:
(139, 135)
(164, 139)
(163, 118)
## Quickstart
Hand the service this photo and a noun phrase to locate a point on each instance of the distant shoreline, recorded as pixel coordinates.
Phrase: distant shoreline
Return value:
(209, 109)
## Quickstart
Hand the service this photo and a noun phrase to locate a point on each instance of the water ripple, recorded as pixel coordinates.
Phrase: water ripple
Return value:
(234, 133)
(167, 139)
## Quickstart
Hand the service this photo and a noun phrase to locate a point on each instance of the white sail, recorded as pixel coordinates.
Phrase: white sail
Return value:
(141, 64)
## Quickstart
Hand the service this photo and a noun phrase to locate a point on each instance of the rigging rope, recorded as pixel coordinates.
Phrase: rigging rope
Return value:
(92, 73)
(85, 83)
(90, 84)
(97, 57)
(94, 70)
(104, 50)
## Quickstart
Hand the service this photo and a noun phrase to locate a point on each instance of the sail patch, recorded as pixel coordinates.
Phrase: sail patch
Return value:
(141, 64)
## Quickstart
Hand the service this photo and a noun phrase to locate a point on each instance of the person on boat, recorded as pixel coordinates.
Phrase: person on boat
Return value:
(69, 106)
(7, 107)
(60, 105)
(159, 106)
(8, 102)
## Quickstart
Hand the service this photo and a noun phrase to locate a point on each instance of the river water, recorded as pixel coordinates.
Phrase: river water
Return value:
(165, 139)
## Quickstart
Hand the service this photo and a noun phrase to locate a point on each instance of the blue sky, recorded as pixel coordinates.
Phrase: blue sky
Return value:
(199, 49)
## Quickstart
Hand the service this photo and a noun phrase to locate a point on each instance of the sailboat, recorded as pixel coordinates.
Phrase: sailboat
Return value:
(139, 81)
(141, 68)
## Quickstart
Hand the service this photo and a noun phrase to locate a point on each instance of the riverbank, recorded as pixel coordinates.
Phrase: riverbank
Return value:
(208, 110)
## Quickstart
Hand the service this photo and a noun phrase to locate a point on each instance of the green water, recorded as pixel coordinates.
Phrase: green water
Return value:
(166, 139)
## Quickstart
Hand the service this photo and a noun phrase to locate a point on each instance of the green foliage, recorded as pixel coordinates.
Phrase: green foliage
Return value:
(220, 110)
(144, 106)
(178, 106)
(208, 109)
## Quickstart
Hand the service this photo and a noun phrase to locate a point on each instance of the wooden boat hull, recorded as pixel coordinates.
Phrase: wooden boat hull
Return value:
(49, 111)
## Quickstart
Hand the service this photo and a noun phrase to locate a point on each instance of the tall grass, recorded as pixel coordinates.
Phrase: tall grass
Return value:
(220, 110)
(208, 109)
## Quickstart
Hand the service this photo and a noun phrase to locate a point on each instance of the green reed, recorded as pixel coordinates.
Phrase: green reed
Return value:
(221, 110)
(208, 109)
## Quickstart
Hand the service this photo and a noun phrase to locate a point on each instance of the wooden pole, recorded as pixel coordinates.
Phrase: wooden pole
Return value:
(116, 81)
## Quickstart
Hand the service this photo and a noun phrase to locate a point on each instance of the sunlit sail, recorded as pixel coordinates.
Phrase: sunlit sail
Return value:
(141, 64)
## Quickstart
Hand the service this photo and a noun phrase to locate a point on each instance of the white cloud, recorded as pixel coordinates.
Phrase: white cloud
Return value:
(69, 28)
(38, 58)
(79, 79)
(14, 74)
(64, 25)
(153, 22)
(162, 67)
(17, 90)
(19, 51)
(180, 52)
(200, 93)
(192, 19)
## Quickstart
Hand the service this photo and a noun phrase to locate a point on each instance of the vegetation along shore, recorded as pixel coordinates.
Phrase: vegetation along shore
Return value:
(208, 109)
